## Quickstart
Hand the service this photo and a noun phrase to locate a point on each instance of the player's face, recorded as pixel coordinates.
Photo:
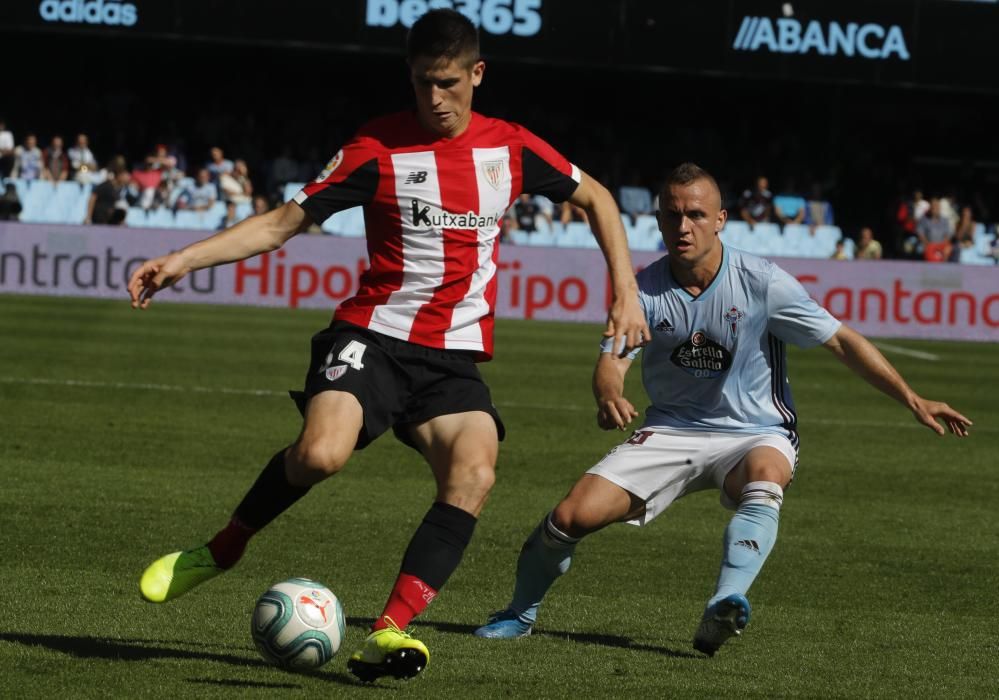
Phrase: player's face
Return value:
(444, 92)
(690, 218)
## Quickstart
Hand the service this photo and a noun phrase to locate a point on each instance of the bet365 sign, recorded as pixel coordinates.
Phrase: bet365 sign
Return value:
(518, 17)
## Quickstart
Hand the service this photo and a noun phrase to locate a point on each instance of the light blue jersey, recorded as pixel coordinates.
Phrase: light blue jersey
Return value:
(716, 361)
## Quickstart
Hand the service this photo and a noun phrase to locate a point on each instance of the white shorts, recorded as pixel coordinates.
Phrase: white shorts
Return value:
(660, 465)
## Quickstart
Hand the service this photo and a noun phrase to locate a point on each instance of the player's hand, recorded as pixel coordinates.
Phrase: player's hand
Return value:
(928, 412)
(615, 413)
(154, 275)
(627, 325)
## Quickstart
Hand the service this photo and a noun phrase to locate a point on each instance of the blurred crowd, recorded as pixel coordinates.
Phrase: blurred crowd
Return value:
(935, 229)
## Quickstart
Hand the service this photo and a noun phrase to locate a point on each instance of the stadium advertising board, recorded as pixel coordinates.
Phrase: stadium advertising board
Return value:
(924, 42)
(886, 299)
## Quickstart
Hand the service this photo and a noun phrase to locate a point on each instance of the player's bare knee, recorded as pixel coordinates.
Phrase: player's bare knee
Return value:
(776, 473)
(476, 479)
(312, 461)
(574, 520)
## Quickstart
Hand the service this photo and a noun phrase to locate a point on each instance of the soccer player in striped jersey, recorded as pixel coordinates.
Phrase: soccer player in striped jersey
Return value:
(435, 184)
(721, 417)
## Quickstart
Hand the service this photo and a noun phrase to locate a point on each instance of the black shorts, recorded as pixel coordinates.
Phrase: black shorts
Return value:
(396, 382)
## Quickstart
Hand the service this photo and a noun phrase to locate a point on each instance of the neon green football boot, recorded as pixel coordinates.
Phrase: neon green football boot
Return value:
(175, 574)
(388, 652)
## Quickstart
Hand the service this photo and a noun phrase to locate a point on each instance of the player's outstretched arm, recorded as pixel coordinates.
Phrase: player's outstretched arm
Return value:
(613, 409)
(626, 321)
(857, 353)
(257, 234)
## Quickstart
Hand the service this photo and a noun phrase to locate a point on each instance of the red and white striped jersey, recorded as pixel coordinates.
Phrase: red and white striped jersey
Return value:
(433, 208)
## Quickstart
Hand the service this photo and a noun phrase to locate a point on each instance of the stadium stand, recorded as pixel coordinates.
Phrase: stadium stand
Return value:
(66, 203)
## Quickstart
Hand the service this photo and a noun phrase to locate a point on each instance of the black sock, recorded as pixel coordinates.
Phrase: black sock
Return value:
(436, 549)
(270, 495)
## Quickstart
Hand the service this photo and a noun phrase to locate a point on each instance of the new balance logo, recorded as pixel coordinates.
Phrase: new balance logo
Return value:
(417, 177)
(665, 326)
(749, 544)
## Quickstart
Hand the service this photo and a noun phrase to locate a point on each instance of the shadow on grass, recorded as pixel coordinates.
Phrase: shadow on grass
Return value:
(606, 640)
(86, 647)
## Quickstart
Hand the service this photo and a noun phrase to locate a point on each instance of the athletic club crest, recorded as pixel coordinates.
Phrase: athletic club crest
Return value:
(335, 372)
(732, 317)
(493, 172)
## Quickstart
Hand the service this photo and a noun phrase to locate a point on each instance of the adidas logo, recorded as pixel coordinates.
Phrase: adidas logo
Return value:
(665, 326)
(749, 544)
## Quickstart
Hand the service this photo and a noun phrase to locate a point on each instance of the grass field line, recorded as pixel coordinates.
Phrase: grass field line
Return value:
(918, 354)
(139, 386)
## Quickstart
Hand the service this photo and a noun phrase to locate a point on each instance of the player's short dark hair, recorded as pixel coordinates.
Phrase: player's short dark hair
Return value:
(686, 173)
(446, 34)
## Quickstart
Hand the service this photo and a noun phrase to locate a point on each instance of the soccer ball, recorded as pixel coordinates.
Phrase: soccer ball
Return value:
(298, 624)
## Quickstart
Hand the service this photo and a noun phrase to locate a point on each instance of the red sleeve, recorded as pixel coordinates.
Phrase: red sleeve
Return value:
(348, 180)
(545, 170)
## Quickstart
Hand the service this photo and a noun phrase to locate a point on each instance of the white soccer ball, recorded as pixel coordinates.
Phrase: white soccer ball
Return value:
(298, 624)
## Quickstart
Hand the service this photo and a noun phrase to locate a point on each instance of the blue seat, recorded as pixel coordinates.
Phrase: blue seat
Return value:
(244, 210)
(581, 235)
(136, 217)
(733, 233)
(35, 205)
(519, 237)
(542, 239)
(349, 222)
(645, 234)
(77, 211)
(971, 256)
(291, 189)
(825, 241)
(161, 217)
(795, 236)
(186, 218)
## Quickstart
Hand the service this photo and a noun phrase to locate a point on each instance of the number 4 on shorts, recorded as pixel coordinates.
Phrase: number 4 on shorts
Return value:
(353, 353)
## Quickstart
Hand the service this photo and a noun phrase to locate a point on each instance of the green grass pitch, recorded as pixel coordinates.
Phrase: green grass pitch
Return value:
(125, 435)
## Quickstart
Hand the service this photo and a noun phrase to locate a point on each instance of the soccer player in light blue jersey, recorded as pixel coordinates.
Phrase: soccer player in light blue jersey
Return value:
(721, 415)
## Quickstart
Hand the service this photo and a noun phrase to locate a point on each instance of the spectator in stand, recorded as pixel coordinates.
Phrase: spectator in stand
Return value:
(6, 150)
(28, 159)
(949, 210)
(818, 210)
(964, 233)
(82, 161)
(261, 205)
(10, 205)
(570, 213)
(109, 201)
(868, 248)
(218, 165)
(202, 196)
(789, 208)
(756, 205)
(920, 205)
(934, 234)
(525, 212)
(55, 162)
(284, 169)
(547, 209)
(635, 198)
(236, 186)
(162, 194)
(840, 252)
(145, 182)
(229, 218)
(505, 227)
(162, 160)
